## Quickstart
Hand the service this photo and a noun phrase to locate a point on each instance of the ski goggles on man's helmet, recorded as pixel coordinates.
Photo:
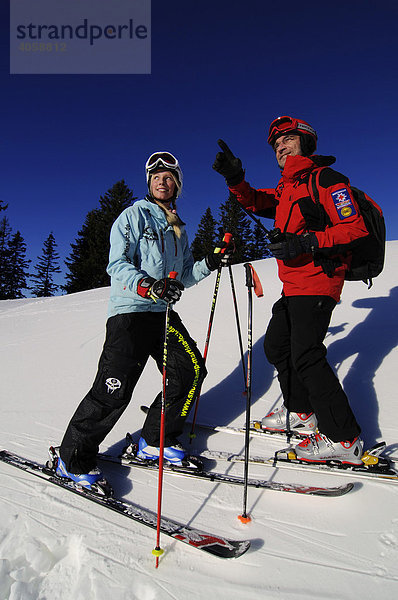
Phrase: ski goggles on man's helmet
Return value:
(161, 159)
(285, 125)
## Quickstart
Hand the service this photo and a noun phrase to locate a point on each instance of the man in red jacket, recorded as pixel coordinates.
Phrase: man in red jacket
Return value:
(311, 244)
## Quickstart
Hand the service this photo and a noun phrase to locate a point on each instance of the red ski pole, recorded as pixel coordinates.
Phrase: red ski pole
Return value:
(157, 551)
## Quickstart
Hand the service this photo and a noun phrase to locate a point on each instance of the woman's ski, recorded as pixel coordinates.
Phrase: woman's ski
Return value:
(208, 542)
(214, 477)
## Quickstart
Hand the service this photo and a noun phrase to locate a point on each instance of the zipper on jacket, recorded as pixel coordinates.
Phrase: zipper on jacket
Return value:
(162, 240)
(293, 204)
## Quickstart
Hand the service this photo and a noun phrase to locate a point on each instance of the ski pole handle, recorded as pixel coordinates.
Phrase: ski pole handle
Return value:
(227, 239)
(249, 275)
(173, 275)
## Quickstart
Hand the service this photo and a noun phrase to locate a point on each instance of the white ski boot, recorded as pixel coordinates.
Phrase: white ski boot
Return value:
(298, 422)
(320, 449)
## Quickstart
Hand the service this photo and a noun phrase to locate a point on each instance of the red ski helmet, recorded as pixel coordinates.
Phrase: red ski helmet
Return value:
(285, 125)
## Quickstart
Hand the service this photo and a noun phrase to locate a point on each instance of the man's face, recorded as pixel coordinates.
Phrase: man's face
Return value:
(162, 186)
(287, 145)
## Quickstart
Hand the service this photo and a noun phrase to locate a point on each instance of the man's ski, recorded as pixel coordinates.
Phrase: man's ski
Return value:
(256, 430)
(208, 542)
(223, 478)
(375, 465)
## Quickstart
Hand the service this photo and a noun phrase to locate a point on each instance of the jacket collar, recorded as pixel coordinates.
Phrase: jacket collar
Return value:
(296, 167)
(171, 217)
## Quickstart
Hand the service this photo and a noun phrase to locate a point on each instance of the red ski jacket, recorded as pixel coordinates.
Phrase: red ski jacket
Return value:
(292, 206)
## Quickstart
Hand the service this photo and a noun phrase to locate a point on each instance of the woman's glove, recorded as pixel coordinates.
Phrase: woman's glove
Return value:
(166, 289)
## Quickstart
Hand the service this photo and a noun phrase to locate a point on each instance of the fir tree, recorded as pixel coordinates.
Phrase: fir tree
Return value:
(258, 247)
(235, 222)
(5, 234)
(90, 253)
(205, 238)
(46, 267)
(17, 270)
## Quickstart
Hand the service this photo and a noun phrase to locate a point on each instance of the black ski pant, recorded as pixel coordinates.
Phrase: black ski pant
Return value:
(130, 340)
(294, 345)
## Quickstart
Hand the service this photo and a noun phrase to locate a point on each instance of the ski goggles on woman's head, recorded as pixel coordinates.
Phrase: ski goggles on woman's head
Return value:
(282, 125)
(161, 159)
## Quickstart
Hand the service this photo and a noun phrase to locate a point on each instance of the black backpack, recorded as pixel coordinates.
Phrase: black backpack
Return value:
(367, 254)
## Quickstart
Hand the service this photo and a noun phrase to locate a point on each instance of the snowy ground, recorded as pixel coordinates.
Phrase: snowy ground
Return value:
(54, 545)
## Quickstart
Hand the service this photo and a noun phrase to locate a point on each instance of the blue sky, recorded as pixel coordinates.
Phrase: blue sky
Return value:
(221, 68)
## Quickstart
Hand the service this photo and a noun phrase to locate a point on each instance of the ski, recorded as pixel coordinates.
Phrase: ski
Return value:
(231, 479)
(208, 542)
(375, 466)
(256, 430)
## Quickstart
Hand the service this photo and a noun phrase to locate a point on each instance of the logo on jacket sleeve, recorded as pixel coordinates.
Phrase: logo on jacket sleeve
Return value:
(343, 203)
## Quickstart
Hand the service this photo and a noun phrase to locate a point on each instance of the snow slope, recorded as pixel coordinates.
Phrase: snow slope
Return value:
(54, 545)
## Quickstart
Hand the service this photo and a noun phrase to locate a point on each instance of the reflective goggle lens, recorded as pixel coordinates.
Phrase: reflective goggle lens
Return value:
(162, 158)
(279, 125)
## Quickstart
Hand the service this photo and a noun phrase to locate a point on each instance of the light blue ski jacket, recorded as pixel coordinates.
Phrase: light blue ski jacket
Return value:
(143, 243)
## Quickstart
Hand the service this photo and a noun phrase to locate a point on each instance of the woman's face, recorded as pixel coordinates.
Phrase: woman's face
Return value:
(162, 186)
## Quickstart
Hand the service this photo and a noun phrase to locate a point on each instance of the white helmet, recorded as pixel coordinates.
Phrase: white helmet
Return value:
(164, 161)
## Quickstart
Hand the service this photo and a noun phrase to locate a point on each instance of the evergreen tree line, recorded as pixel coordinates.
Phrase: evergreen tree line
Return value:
(249, 239)
(88, 259)
(86, 263)
(14, 266)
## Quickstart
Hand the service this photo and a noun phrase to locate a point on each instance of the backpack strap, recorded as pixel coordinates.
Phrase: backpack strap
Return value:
(312, 210)
(313, 187)
(328, 263)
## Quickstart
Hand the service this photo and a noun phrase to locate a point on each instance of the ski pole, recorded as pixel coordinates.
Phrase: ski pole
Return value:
(237, 324)
(227, 239)
(251, 215)
(157, 551)
(273, 236)
(244, 517)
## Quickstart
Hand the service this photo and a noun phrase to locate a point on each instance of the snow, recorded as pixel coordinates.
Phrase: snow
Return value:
(56, 545)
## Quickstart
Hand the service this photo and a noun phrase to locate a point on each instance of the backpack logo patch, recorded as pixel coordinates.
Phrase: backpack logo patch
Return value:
(343, 203)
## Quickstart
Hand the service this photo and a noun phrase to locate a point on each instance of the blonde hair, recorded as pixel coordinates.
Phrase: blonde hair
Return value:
(172, 218)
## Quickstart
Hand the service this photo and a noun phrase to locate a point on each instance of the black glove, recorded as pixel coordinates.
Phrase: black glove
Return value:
(166, 289)
(228, 165)
(291, 245)
(221, 256)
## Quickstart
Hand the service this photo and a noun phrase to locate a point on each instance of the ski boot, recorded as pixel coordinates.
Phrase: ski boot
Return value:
(174, 456)
(301, 423)
(92, 482)
(320, 449)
